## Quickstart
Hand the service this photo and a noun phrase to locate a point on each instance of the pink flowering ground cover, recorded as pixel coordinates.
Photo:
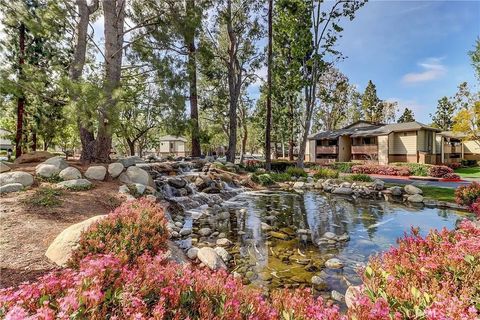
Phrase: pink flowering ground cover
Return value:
(469, 196)
(433, 278)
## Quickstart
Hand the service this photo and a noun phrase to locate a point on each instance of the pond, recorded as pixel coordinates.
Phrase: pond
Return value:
(288, 239)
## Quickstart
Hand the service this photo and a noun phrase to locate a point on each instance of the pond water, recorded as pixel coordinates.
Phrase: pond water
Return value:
(283, 239)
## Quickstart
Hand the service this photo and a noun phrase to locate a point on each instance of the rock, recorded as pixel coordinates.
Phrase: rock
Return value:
(96, 172)
(343, 237)
(298, 185)
(61, 248)
(330, 236)
(185, 231)
(278, 235)
(343, 191)
(140, 188)
(46, 170)
(318, 184)
(223, 254)
(58, 162)
(24, 178)
(74, 184)
(415, 198)
(123, 189)
(205, 232)
(177, 183)
(115, 169)
(70, 173)
(210, 258)
(333, 263)
(396, 191)
(136, 175)
(411, 189)
(192, 253)
(345, 185)
(337, 296)
(352, 292)
(224, 242)
(4, 167)
(378, 184)
(316, 280)
(266, 227)
(130, 161)
(11, 187)
(34, 156)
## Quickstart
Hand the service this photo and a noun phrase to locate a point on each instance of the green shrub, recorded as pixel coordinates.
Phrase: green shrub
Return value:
(45, 197)
(280, 177)
(296, 172)
(469, 163)
(416, 169)
(360, 177)
(344, 167)
(326, 173)
(52, 179)
(280, 166)
(264, 179)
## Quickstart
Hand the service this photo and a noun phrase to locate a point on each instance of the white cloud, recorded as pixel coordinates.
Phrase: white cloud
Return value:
(432, 69)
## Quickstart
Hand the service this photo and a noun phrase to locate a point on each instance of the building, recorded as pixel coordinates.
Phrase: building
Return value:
(5, 143)
(378, 143)
(172, 145)
(455, 147)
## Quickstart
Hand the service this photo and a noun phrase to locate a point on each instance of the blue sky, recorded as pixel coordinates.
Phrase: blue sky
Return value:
(414, 51)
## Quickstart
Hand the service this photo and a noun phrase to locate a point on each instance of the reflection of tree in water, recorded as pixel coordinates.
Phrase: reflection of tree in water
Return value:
(369, 215)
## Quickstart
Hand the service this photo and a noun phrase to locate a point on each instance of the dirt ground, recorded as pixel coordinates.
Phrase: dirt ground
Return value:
(26, 231)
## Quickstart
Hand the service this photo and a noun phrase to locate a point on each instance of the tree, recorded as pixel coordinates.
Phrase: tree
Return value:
(443, 117)
(407, 116)
(475, 57)
(371, 106)
(268, 127)
(467, 121)
(388, 111)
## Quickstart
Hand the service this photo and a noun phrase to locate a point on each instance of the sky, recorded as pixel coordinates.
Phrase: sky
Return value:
(415, 52)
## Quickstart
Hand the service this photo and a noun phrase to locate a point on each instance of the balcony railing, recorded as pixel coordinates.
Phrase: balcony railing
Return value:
(327, 149)
(447, 148)
(365, 149)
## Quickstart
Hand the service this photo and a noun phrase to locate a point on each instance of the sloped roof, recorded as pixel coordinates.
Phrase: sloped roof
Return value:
(451, 134)
(172, 138)
(347, 131)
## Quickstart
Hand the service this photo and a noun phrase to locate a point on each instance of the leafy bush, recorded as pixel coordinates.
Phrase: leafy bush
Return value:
(436, 277)
(475, 207)
(439, 171)
(454, 165)
(296, 172)
(451, 176)
(416, 169)
(469, 163)
(384, 170)
(129, 231)
(344, 167)
(280, 166)
(45, 197)
(252, 165)
(360, 177)
(153, 288)
(468, 195)
(264, 179)
(326, 173)
(280, 177)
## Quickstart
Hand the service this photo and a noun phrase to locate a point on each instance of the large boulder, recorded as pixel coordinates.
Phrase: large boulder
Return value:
(177, 183)
(415, 198)
(75, 184)
(34, 156)
(4, 167)
(70, 173)
(130, 161)
(378, 184)
(411, 189)
(46, 170)
(396, 191)
(96, 172)
(115, 169)
(60, 250)
(210, 258)
(24, 178)
(223, 254)
(11, 187)
(343, 191)
(136, 175)
(58, 162)
(334, 263)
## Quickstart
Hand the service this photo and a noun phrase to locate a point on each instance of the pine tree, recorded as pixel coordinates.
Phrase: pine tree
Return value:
(407, 116)
(372, 108)
(443, 117)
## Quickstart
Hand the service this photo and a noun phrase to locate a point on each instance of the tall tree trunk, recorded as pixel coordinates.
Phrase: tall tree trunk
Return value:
(268, 126)
(192, 78)
(87, 137)
(34, 140)
(291, 140)
(131, 146)
(21, 98)
(234, 82)
(114, 16)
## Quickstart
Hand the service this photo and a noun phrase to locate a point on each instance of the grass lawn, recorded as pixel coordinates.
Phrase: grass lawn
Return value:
(470, 172)
(437, 193)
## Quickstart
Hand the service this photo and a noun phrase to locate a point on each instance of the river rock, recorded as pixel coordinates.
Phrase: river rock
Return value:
(210, 258)
(11, 187)
(34, 156)
(343, 191)
(378, 184)
(411, 189)
(4, 167)
(58, 162)
(96, 172)
(177, 183)
(223, 242)
(415, 198)
(223, 254)
(299, 185)
(316, 280)
(61, 248)
(192, 253)
(330, 235)
(73, 184)
(70, 173)
(334, 263)
(278, 235)
(205, 232)
(266, 227)
(337, 296)
(136, 175)
(24, 178)
(130, 161)
(46, 170)
(352, 292)
(115, 169)
(396, 191)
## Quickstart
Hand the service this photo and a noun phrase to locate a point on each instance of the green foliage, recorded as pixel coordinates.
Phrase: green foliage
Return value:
(280, 177)
(370, 103)
(344, 167)
(45, 197)
(52, 179)
(326, 173)
(296, 172)
(264, 179)
(443, 117)
(360, 177)
(416, 169)
(407, 116)
(80, 188)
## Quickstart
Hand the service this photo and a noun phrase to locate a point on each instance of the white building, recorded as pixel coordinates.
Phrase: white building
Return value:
(5, 143)
(172, 145)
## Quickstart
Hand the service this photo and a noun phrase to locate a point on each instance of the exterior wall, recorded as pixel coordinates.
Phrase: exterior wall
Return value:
(383, 145)
(402, 158)
(310, 154)
(471, 150)
(344, 149)
(404, 143)
(421, 140)
(178, 147)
